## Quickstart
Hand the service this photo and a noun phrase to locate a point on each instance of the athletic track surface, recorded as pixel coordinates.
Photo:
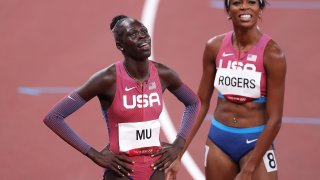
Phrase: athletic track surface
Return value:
(48, 48)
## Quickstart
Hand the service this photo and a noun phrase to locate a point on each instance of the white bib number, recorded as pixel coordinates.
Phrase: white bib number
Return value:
(238, 82)
(270, 161)
(138, 135)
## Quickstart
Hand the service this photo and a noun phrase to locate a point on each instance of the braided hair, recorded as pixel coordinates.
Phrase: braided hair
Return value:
(114, 25)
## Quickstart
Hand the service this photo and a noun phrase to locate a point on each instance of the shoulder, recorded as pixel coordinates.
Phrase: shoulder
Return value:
(211, 50)
(215, 42)
(273, 53)
(99, 83)
(168, 76)
(213, 46)
(274, 60)
(105, 76)
(163, 70)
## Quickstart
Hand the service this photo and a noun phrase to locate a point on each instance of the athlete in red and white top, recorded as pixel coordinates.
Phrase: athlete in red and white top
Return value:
(248, 70)
(130, 94)
(241, 78)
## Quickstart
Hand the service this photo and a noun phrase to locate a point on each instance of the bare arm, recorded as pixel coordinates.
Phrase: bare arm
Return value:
(101, 84)
(206, 87)
(171, 81)
(205, 92)
(55, 118)
(275, 65)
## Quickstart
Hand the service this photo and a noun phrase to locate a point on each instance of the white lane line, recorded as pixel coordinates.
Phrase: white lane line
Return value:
(36, 91)
(148, 19)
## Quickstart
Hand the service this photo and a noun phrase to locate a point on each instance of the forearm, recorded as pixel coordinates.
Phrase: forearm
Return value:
(265, 141)
(188, 120)
(201, 116)
(55, 120)
(192, 105)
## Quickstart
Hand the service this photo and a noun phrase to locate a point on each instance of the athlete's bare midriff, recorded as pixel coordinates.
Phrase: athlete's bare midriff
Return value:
(245, 115)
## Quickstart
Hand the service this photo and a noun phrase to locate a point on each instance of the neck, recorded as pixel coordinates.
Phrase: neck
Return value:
(138, 70)
(244, 39)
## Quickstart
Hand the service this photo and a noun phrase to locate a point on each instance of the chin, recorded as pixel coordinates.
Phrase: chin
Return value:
(147, 54)
(144, 56)
(246, 25)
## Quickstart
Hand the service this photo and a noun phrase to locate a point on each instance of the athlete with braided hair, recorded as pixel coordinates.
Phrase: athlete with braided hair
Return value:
(130, 93)
(248, 69)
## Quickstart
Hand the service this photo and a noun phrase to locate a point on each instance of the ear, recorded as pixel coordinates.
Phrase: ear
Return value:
(260, 14)
(119, 46)
(228, 17)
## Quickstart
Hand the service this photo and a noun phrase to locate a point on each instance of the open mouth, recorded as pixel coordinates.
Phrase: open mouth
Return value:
(144, 45)
(245, 17)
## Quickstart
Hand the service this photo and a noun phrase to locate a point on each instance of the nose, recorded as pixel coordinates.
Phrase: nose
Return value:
(244, 5)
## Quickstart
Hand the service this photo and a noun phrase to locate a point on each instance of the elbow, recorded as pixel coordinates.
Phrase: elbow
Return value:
(46, 120)
(277, 126)
(194, 102)
(276, 123)
(51, 119)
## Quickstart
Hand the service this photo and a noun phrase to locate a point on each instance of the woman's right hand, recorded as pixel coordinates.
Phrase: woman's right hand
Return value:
(111, 161)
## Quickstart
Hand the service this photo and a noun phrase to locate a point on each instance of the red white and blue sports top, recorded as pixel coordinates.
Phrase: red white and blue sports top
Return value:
(241, 78)
(133, 117)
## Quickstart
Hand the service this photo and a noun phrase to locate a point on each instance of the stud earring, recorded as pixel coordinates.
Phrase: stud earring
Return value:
(229, 17)
(260, 15)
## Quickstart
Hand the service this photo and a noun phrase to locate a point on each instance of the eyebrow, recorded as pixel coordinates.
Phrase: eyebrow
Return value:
(131, 30)
(142, 27)
(228, 2)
